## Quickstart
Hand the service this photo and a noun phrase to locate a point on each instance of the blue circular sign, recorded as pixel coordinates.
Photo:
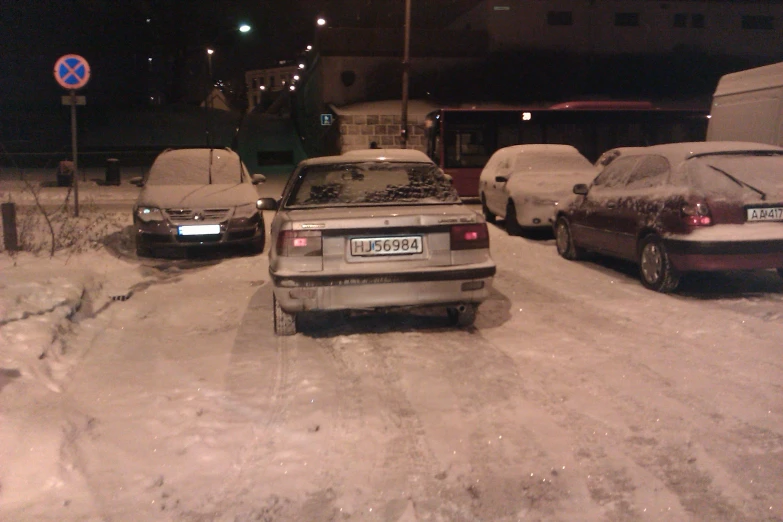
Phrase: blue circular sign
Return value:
(72, 71)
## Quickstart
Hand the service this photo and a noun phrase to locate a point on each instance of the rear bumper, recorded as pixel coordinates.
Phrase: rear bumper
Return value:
(725, 255)
(297, 293)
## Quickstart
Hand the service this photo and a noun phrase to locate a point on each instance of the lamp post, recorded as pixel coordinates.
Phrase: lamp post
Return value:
(209, 101)
(406, 64)
(210, 52)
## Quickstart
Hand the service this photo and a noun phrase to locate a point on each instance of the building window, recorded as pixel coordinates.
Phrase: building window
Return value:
(626, 19)
(680, 19)
(697, 21)
(560, 18)
(255, 81)
(766, 23)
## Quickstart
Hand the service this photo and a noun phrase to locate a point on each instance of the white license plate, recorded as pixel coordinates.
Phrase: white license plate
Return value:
(198, 230)
(765, 214)
(386, 246)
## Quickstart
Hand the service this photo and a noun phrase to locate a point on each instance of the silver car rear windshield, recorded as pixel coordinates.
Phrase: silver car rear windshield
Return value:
(196, 168)
(371, 183)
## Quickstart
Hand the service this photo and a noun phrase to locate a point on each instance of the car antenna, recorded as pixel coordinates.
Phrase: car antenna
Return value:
(210, 164)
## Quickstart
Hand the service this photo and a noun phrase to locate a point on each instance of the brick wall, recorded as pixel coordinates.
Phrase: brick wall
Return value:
(358, 131)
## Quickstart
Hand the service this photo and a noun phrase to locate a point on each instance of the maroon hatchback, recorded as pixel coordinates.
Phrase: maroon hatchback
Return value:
(681, 207)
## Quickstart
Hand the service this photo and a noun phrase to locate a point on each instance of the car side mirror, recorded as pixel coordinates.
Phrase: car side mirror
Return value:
(258, 178)
(580, 189)
(501, 179)
(138, 181)
(266, 204)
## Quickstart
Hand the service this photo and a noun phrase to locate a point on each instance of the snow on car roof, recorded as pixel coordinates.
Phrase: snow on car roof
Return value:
(198, 153)
(407, 155)
(540, 147)
(676, 153)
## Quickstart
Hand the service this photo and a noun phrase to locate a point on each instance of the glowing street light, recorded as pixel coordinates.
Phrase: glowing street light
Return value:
(301, 66)
(321, 21)
(244, 28)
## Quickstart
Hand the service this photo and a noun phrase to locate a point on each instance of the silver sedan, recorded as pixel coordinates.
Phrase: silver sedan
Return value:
(376, 229)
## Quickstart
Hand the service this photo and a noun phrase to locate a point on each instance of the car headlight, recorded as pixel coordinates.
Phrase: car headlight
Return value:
(148, 214)
(246, 211)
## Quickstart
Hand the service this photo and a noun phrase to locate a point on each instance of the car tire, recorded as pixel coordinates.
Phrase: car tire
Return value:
(463, 315)
(488, 215)
(512, 225)
(285, 322)
(565, 241)
(655, 268)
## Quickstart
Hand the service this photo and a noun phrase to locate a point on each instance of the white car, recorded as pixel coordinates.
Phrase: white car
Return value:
(376, 229)
(197, 198)
(524, 184)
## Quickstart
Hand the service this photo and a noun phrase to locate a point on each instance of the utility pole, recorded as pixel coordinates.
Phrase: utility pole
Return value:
(406, 65)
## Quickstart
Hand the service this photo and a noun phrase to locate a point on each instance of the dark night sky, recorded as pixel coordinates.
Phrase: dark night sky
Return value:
(116, 38)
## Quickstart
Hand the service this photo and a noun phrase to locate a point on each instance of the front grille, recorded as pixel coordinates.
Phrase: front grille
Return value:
(200, 239)
(184, 215)
(241, 234)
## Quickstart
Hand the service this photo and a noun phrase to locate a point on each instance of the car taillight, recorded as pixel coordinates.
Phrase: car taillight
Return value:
(466, 237)
(299, 243)
(696, 214)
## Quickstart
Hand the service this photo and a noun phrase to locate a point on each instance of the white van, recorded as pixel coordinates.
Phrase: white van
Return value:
(748, 106)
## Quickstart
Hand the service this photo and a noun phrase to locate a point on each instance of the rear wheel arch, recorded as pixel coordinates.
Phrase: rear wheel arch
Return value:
(643, 234)
(655, 268)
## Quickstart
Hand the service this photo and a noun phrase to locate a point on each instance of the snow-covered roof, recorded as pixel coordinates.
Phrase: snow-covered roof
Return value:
(355, 156)
(394, 154)
(416, 108)
(751, 80)
(679, 152)
(540, 147)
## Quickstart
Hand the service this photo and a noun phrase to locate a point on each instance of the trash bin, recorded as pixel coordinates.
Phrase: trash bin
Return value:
(65, 174)
(112, 171)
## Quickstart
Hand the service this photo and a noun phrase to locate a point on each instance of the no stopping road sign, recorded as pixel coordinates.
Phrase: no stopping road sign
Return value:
(72, 71)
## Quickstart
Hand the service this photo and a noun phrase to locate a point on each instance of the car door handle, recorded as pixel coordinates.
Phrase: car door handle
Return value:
(611, 205)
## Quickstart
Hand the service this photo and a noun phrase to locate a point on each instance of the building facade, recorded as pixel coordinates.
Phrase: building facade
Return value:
(263, 85)
(717, 27)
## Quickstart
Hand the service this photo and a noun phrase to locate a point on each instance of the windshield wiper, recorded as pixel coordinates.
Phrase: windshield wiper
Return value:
(738, 182)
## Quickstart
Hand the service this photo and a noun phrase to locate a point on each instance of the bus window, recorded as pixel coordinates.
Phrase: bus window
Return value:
(466, 146)
(508, 135)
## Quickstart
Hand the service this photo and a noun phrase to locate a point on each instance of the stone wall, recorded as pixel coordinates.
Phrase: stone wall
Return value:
(358, 131)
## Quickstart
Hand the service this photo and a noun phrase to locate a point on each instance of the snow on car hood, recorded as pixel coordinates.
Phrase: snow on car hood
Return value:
(548, 184)
(215, 195)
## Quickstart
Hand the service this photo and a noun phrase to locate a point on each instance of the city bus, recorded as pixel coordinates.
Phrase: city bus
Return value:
(461, 139)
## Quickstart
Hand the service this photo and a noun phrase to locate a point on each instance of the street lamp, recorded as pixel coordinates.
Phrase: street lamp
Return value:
(321, 21)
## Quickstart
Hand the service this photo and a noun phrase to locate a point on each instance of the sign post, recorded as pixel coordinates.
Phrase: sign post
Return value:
(73, 72)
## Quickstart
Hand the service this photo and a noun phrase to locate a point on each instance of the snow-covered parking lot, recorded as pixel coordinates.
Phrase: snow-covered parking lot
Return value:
(156, 390)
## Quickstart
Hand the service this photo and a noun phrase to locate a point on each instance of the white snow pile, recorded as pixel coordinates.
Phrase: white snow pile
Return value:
(34, 311)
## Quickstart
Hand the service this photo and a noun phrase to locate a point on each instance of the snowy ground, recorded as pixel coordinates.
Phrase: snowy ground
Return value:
(579, 395)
